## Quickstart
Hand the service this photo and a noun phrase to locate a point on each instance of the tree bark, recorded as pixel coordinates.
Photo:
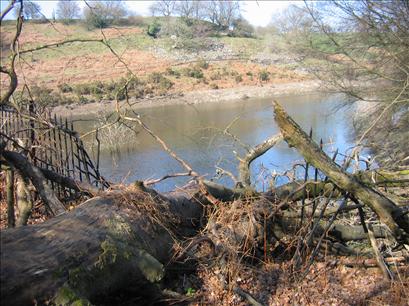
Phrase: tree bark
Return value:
(10, 197)
(245, 162)
(24, 202)
(102, 246)
(389, 213)
(21, 163)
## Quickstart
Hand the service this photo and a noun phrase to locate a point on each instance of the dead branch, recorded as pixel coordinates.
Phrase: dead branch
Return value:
(257, 151)
(388, 212)
(173, 175)
(370, 262)
(378, 256)
(163, 144)
(11, 71)
(48, 196)
(7, 9)
(251, 300)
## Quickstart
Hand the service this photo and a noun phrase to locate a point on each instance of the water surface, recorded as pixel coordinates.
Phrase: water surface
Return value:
(195, 133)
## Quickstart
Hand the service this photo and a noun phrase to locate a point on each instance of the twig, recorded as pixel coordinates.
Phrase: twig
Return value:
(155, 181)
(247, 296)
(163, 144)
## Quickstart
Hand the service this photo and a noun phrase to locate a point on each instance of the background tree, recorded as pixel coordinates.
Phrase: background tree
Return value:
(67, 11)
(101, 14)
(190, 9)
(222, 13)
(164, 8)
(362, 49)
(31, 10)
(242, 28)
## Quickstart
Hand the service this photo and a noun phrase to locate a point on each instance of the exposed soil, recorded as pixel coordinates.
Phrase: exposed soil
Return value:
(89, 62)
(195, 97)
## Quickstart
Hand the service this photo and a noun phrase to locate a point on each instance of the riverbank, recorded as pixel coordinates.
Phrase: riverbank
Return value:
(226, 95)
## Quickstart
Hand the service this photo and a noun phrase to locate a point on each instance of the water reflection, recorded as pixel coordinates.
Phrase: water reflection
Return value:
(195, 132)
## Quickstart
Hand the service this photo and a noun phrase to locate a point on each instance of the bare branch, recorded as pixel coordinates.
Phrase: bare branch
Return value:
(257, 151)
(8, 8)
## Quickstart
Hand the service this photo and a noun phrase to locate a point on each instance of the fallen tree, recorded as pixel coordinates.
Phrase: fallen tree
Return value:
(122, 240)
(389, 213)
(132, 235)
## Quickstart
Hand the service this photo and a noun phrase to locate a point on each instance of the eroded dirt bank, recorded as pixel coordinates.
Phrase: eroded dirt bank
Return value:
(195, 97)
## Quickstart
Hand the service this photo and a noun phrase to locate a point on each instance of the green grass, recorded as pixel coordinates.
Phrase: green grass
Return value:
(137, 41)
(243, 44)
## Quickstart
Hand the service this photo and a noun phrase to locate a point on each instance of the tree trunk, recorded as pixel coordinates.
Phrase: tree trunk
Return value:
(102, 246)
(24, 202)
(10, 197)
(28, 170)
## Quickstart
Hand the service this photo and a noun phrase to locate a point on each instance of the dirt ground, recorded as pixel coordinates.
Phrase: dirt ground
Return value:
(85, 62)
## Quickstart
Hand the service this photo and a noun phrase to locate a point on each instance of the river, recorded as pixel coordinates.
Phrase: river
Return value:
(195, 133)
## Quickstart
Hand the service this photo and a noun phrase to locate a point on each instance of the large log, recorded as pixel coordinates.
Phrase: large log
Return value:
(388, 212)
(104, 245)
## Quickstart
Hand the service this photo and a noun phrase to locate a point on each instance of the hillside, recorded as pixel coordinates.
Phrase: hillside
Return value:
(90, 71)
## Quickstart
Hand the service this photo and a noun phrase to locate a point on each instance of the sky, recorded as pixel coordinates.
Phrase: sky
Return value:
(258, 13)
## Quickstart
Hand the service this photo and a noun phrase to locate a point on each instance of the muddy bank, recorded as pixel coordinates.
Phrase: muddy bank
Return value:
(195, 97)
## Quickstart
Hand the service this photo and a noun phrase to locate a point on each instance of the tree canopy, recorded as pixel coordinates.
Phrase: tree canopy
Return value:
(68, 10)
(101, 14)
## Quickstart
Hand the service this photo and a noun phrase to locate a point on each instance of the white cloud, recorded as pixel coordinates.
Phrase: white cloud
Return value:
(259, 13)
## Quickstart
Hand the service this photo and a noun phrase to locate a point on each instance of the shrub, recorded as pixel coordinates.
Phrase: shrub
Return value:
(214, 86)
(250, 75)
(202, 64)
(162, 83)
(104, 13)
(64, 88)
(134, 87)
(225, 71)
(238, 78)
(111, 86)
(47, 97)
(173, 72)
(178, 28)
(242, 28)
(194, 72)
(234, 73)
(263, 75)
(136, 20)
(82, 89)
(83, 100)
(154, 29)
(215, 76)
(94, 88)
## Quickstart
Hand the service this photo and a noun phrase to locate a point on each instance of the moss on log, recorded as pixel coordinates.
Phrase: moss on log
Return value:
(100, 247)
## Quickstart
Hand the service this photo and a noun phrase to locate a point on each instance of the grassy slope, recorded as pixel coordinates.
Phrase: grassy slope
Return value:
(87, 62)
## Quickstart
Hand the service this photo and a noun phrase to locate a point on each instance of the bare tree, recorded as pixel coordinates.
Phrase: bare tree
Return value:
(31, 10)
(362, 49)
(190, 9)
(163, 7)
(101, 14)
(222, 13)
(67, 11)
(293, 19)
